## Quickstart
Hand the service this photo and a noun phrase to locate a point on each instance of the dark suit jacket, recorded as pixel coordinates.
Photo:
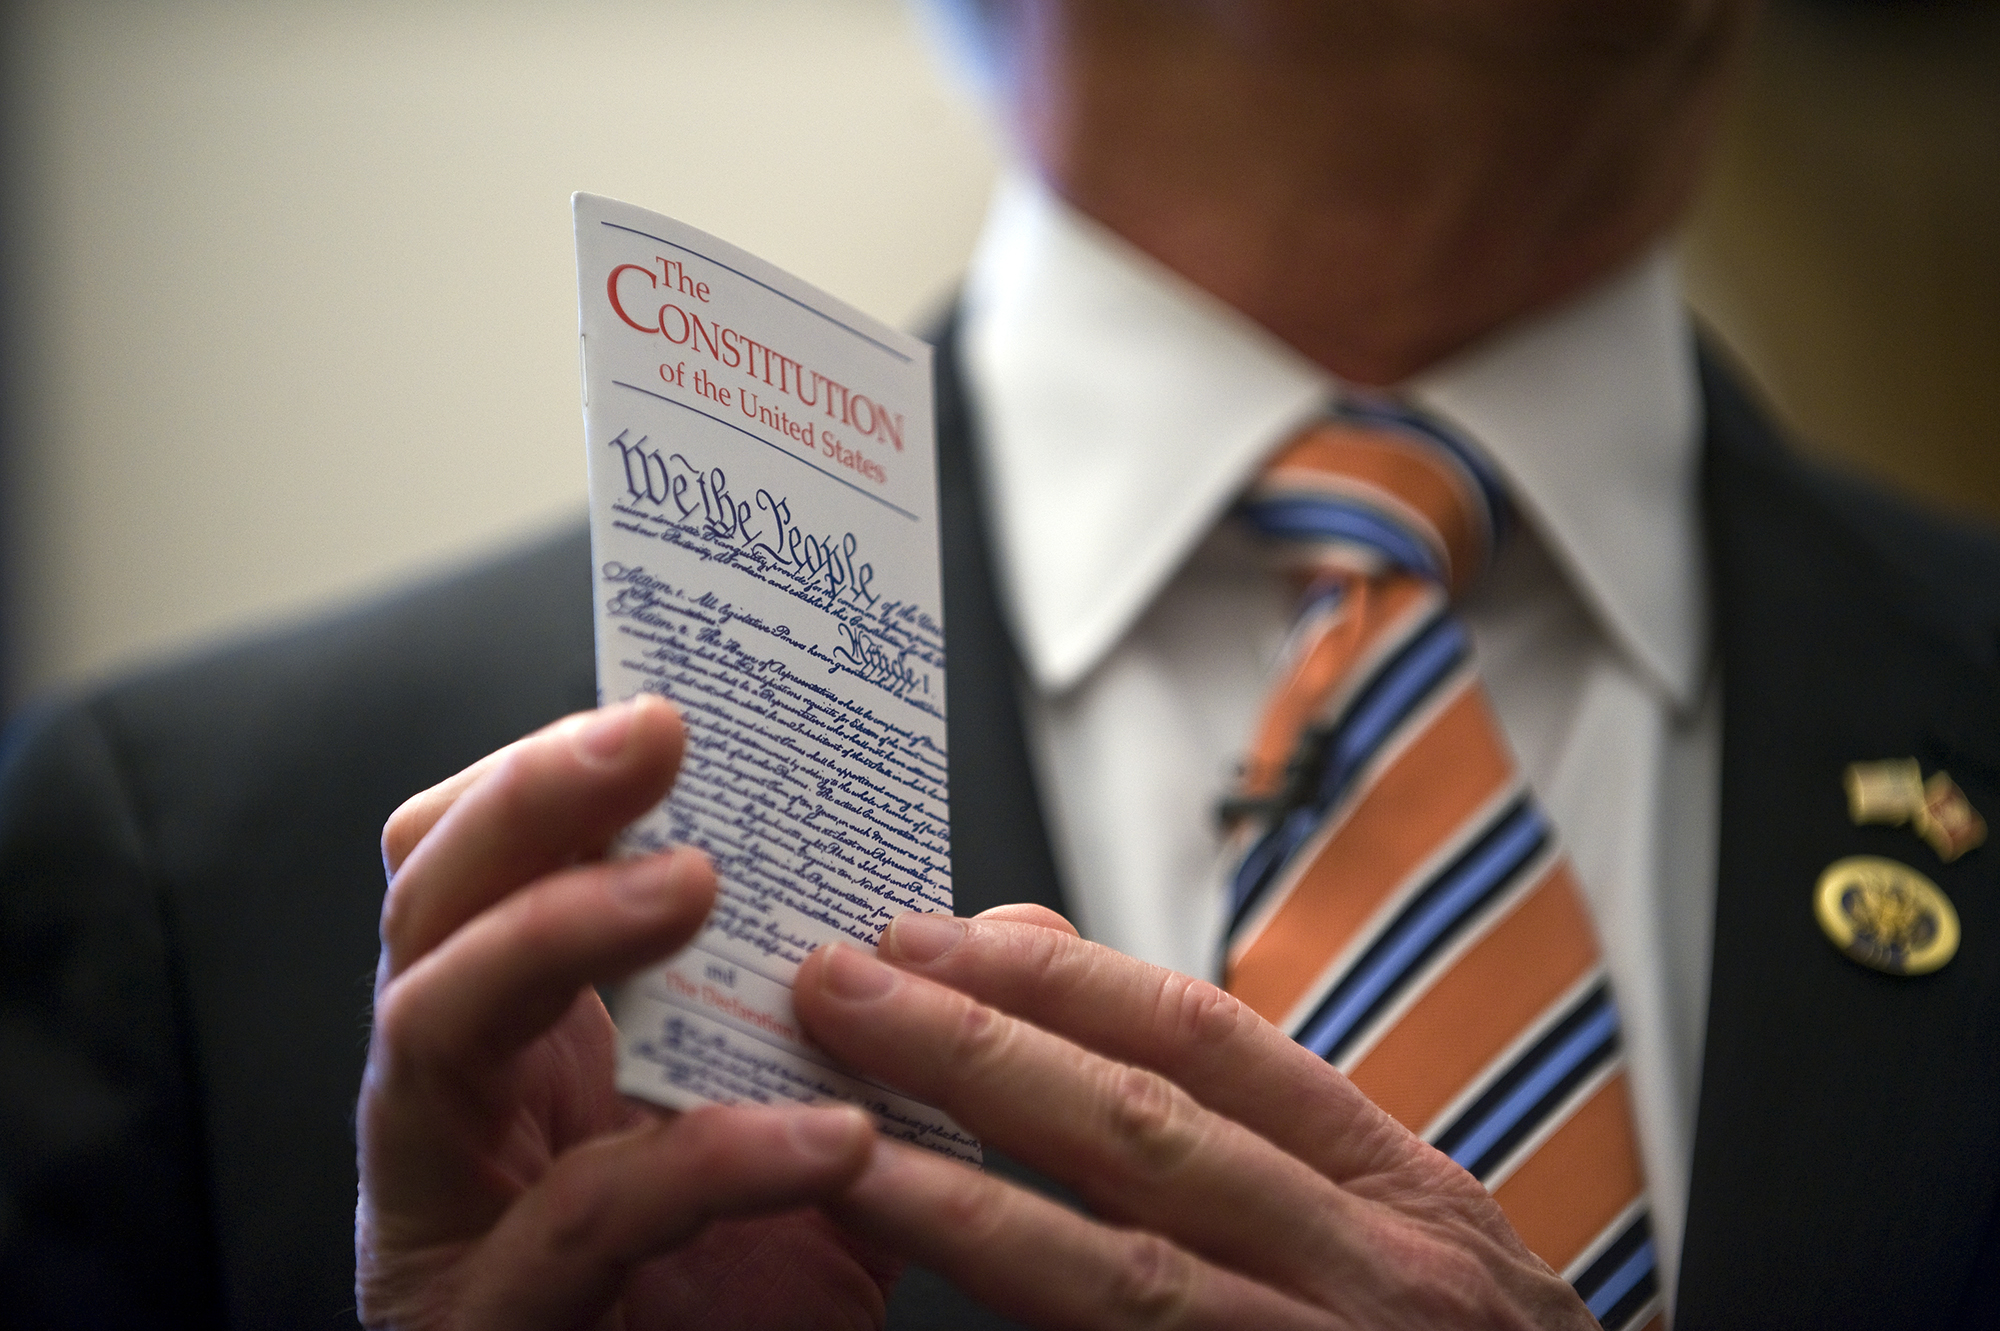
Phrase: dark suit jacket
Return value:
(189, 882)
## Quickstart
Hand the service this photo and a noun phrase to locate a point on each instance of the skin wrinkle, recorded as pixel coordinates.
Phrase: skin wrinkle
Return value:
(399, 837)
(583, 1225)
(1178, 996)
(981, 1043)
(745, 1253)
(419, 1069)
(1152, 1124)
(1361, 1233)
(1378, 1159)
(590, 1063)
(1201, 1016)
(433, 1076)
(1154, 1283)
(1153, 1129)
(1445, 1275)
(576, 1205)
(1052, 967)
(966, 1208)
(960, 1210)
(396, 907)
(416, 1288)
(1184, 1007)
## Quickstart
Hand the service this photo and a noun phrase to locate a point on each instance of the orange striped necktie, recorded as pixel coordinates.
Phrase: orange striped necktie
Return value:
(1401, 905)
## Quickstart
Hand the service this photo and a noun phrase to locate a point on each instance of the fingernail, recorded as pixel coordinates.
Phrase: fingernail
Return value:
(922, 938)
(825, 1134)
(854, 975)
(602, 738)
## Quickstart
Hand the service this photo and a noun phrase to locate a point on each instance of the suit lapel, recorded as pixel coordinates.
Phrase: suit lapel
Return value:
(1847, 1162)
(999, 844)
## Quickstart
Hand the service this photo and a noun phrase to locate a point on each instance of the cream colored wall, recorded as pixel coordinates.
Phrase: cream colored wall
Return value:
(301, 308)
(1847, 246)
(301, 313)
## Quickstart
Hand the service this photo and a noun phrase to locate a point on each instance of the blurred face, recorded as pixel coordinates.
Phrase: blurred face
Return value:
(1511, 24)
(1482, 157)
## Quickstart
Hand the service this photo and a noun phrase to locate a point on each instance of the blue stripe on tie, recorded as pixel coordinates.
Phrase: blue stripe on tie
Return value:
(1586, 1040)
(1390, 697)
(1324, 518)
(1261, 865)
(1411, 939)
(1402, 683)
(1320, 598)
(1491, 489)
(1620, 1282)
(1612, 1259)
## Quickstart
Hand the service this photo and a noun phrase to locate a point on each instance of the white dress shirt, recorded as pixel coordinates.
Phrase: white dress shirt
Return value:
(1122, 409)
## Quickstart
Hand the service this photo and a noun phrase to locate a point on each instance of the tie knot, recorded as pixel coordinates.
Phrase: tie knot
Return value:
(1376, 488)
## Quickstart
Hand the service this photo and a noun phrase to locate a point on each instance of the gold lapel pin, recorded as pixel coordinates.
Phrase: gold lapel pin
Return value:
(1886, 915)
(1894, 791)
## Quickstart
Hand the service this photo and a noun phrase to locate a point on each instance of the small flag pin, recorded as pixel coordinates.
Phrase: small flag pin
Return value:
(1947, 819)
(1894, 791)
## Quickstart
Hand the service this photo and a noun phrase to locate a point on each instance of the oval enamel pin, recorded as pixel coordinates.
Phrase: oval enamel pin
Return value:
(1886, 915)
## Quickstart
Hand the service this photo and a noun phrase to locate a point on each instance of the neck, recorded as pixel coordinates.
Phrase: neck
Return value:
(1379, 191)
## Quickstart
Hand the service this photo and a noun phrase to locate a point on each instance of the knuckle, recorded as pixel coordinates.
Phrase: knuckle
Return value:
(1047, 962)
(1152, 1123)
(707, 1147)
(1004, 960)
(575, 1207)
(1436, 1282)
(397, 1042)
(513, 783)
(411, 1290)
(1152, 1283)
(398, 909)
(538, 917)
(697, 1137)
(411, 1050)
(981, 1038)
(1197, 1013)
(968, 1206)
(400, 835)
(1049, 953)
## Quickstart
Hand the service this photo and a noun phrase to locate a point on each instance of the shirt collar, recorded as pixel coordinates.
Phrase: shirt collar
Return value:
(1124, 408)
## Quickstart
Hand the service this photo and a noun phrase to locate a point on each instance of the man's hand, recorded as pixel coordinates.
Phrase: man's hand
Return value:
(1236, 1179)
(504, 1183)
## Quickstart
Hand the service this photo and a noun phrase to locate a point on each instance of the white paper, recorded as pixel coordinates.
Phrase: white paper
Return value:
(763, 494)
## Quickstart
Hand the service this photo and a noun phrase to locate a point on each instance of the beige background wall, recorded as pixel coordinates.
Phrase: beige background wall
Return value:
(302, 313)
(300, 319)
(1848, 244)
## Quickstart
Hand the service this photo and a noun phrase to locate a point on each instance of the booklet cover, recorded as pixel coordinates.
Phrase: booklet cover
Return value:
(763, 516)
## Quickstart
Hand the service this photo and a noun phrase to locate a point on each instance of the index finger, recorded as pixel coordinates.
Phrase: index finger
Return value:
(1206, 1041)
(417, 815)
(543, 803)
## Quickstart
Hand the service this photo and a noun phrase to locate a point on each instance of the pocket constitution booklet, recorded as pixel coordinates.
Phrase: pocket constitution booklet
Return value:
(763, 517)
